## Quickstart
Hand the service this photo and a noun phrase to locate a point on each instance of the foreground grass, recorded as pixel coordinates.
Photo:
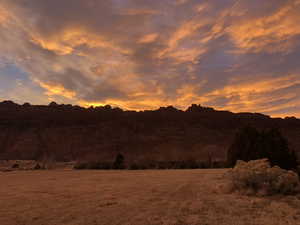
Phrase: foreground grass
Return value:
(153, 197)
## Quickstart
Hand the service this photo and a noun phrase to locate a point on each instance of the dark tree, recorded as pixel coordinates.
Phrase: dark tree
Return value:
(119, 162)
(250, 144)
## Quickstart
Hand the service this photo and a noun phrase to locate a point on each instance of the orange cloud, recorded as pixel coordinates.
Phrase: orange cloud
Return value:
(177, 49)
(201, 7)
(65, 43)
(153, 99)
(3, 15)
(188, 94)
(148, 38)
(184, 31)
(253, 95)
(146, 104)
(56, 47)
(290, 112)
(269, 33)
(187, 55)
(57, 89)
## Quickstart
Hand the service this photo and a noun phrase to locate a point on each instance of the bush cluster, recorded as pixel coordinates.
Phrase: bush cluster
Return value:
(166, 165)
(93, 165)
(143, 165)
(259, 178)
(98, 165)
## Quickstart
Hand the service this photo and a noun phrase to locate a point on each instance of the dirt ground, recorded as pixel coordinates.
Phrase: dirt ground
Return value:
(151, 197)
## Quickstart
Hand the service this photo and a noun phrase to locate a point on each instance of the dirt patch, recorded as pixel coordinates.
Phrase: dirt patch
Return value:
(150, 197)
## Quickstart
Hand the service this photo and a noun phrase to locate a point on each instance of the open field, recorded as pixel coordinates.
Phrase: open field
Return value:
(156, 197)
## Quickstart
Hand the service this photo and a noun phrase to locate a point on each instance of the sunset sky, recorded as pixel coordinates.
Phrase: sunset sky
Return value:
(142, 54)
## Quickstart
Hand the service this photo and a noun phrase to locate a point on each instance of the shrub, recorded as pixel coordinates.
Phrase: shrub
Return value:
(137, 166)
(80, 166)
(15, 166)
(119, 162)
(250, 144)
(99, 166)
(258, 177)
(134, 166)
(37, 167)
(93, 165)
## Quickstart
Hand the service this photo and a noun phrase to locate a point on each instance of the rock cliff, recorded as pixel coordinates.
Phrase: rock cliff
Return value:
(66, 132)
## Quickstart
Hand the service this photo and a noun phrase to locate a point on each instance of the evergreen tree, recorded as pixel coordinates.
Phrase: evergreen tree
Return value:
(119, 162)
(250, 144)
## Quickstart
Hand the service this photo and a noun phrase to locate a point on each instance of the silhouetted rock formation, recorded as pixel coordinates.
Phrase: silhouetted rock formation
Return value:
(66, 132)
(198, 108)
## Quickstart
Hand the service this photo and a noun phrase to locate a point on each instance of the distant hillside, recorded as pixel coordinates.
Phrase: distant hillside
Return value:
(66, 132)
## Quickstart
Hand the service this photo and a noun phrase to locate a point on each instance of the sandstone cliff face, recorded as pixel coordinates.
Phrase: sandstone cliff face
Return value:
(66, 133)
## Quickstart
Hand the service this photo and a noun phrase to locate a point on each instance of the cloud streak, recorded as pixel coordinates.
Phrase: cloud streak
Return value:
(142, 54)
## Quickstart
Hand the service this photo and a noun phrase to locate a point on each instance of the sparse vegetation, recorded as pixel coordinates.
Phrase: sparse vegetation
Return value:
(257, 177)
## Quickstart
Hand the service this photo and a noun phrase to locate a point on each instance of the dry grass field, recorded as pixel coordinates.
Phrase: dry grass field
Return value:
(153, 197)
